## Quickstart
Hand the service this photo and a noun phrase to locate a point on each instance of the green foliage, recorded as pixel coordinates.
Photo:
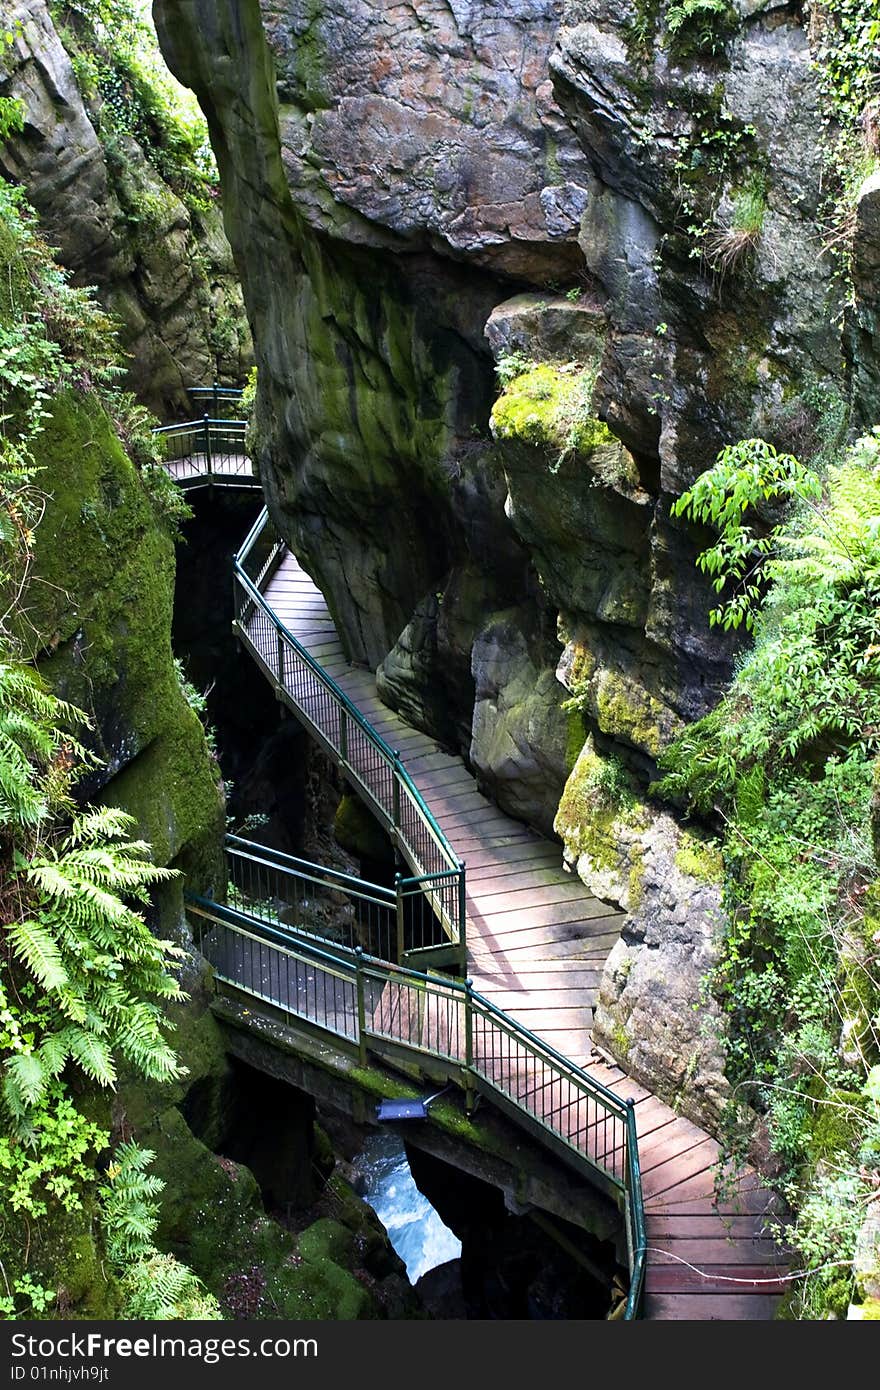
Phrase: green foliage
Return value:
(729, 244)
(82, 973)
(120, 71)
(249, 394)
(11, 117)
(823, 1239)
(53, 1161)
(198, 703)
(786, 761)
(745, 477)
(154, 1285)
(846, 55)
(11, 109)
(37, 1299)
(699, 27)
(845, 42)
(511, 365)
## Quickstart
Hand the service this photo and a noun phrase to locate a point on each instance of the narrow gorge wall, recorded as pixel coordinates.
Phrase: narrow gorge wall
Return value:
(164, 269)
(413, 195)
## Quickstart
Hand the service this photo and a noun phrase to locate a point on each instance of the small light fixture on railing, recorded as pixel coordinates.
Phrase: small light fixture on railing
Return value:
(407, 1109)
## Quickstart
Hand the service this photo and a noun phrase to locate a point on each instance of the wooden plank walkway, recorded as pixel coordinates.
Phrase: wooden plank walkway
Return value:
(537, 942)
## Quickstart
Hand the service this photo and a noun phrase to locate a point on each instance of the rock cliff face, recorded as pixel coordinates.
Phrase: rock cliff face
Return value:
(415, 193)
(166, 272)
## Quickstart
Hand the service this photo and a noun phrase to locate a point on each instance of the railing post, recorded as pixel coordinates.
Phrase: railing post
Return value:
(395, 791)
(209, 466)
(343, 735)
(216, 399)
(279, 635)
(462, 913)
(361, 1004)
(400, 936)
(469, 1046)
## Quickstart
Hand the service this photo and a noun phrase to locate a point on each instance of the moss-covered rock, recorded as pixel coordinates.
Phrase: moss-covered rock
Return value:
(100, 601)
(358, 832)
(654, 1013)
(549, 404)
(63, 1253)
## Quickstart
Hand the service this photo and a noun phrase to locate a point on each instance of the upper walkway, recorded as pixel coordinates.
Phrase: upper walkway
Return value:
(535, 941)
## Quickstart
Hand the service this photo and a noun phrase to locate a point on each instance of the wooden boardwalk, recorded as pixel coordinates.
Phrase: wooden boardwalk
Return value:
(537, 942)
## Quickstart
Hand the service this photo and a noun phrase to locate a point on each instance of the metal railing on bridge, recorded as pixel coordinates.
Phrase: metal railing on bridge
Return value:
(433, 896)
(202, 453)
(370, 1007)
(219, 400)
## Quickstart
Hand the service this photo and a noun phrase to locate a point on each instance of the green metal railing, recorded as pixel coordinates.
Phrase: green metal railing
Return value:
(453, 1033)
(219, 399)
(201, 453)
(434, 895)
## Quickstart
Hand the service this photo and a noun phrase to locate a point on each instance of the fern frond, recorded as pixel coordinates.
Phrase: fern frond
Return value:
(26, 1080)
(93, 1055)
(36, 948)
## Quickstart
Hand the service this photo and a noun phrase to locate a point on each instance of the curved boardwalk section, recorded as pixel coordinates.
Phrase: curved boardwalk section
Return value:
(537, 941)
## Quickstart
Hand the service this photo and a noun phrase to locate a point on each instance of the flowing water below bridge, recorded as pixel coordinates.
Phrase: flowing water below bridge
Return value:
(384, 1178)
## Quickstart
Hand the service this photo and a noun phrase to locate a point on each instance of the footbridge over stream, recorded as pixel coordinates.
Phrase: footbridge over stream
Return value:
(368, 968)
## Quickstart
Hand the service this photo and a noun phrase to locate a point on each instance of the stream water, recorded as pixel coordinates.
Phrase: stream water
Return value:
(415, 1230)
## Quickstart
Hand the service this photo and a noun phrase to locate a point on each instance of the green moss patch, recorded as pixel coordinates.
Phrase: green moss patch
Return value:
(550, 405)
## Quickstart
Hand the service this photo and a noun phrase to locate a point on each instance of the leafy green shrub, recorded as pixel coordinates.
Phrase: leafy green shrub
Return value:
(510, 365)
(746, 476)
(198, 703)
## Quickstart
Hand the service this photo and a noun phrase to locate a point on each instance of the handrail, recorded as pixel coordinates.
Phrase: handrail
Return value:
(448, 905)
(217, 394)
(390, 1007)
(203, 452)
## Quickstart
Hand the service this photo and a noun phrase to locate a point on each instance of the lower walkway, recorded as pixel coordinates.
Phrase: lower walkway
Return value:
(537, 942)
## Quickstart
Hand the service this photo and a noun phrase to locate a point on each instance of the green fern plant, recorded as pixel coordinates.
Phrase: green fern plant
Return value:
(82, 977)
(154, 1285)
(699, 26)
(100, 969)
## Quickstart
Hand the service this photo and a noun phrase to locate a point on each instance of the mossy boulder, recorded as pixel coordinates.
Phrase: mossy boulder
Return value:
(622, 701)
(654, 1013)
(549, 404)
